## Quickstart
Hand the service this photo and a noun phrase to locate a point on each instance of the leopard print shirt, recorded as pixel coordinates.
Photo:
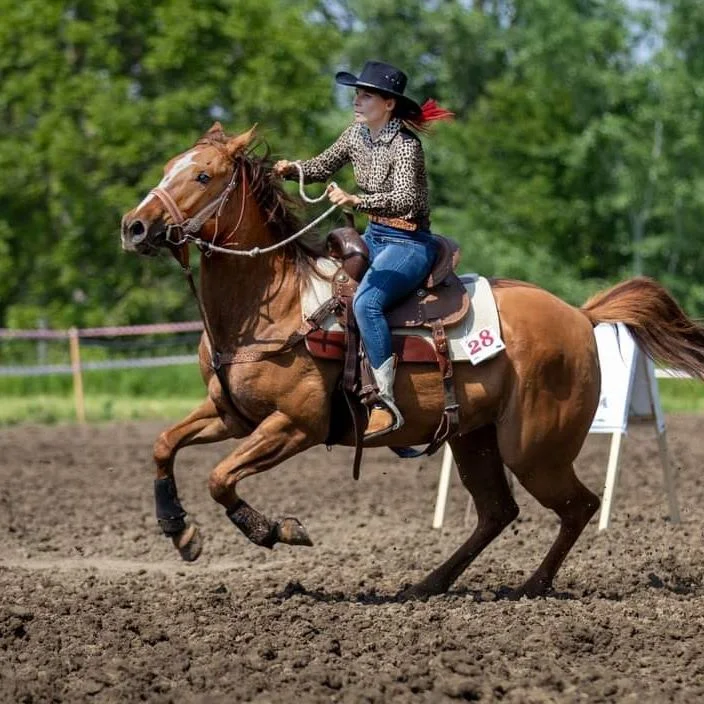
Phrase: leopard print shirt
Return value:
(390, 171)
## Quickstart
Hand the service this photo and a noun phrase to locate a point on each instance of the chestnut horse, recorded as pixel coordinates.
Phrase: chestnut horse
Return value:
(529, 408)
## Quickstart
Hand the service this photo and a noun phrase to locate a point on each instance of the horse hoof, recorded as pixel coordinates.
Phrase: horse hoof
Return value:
(420, 591)
(188, 543)
(412, 594)
(530, 590)
(291, 532)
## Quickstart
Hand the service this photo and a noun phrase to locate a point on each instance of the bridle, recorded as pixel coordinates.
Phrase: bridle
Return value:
(189, 228)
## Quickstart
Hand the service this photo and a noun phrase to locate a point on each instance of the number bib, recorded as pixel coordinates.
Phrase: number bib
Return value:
(484, 344)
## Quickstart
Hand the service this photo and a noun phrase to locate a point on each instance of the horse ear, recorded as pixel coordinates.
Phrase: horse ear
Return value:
(214, 132)
(241, 141)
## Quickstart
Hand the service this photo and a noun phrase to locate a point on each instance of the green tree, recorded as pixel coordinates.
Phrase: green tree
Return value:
(533, 157)
(95, 97)
(672, 249)
(575, 158)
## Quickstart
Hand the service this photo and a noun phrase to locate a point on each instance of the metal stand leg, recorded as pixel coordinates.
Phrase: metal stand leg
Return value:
(669, 479)
(611, 479)
(443, 487)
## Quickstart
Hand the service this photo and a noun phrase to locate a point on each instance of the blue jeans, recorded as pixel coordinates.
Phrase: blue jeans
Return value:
(399, 262)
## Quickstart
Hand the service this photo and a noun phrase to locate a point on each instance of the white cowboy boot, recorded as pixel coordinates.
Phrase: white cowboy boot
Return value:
(384, 419)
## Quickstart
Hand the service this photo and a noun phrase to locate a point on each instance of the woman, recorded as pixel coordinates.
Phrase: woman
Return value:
(389, 168)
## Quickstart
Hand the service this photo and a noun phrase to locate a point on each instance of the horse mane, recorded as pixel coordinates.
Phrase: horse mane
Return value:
(278, 206)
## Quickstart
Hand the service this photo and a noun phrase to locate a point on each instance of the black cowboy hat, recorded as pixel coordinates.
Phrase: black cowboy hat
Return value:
(384, 78)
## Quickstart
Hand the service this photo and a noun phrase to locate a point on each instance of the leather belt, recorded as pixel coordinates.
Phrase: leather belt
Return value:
(398, 223)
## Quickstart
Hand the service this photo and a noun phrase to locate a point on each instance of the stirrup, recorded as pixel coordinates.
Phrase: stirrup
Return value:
(390, 418)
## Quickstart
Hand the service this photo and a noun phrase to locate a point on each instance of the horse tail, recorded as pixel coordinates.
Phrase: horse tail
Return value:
(654, 318)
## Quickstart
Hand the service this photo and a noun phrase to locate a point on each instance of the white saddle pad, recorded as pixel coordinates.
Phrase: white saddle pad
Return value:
(475, 339)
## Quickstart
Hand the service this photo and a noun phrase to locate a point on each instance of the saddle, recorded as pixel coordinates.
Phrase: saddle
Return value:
(442, 296)
(440, 302)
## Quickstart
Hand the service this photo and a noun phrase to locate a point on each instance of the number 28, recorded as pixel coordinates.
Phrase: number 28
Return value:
(486, 339)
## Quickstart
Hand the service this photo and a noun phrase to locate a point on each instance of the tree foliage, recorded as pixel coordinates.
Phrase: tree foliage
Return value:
(95, 97)
(575, 159)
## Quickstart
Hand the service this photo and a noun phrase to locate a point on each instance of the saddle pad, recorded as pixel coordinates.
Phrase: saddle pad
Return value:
(475, 339)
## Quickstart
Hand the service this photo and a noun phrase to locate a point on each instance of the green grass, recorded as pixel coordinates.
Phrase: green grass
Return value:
(681, 395)
(169, 393)
(98, 408)
(131, 394)
(159, 382)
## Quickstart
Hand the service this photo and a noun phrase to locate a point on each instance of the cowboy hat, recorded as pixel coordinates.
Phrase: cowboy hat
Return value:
(384, 78)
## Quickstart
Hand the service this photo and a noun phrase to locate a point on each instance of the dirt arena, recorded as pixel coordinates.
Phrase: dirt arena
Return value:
(95, 605)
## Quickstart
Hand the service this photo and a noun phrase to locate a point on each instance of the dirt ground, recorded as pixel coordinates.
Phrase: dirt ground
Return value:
(95, 605)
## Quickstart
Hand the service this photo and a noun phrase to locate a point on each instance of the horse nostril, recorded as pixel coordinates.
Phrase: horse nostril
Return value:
(137, 231)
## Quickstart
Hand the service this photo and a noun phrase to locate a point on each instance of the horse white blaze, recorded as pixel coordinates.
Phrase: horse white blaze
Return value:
(145, 201)
(183, 163)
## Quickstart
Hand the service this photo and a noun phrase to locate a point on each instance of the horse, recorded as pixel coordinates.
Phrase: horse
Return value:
(528, 409)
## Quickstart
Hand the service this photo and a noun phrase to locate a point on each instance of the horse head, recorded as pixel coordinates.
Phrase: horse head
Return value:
(191, 197)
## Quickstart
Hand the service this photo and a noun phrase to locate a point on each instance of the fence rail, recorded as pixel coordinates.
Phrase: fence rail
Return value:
(51, 369)
(114, 331)
(76, 367)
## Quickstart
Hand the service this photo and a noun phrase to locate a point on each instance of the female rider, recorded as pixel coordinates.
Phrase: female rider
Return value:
(389, 168)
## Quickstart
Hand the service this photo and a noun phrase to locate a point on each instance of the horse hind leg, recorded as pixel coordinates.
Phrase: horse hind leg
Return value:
(481, 470)
(559, 489)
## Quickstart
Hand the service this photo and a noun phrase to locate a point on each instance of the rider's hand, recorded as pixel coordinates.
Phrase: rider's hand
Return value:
(342, 198)
(282, 168)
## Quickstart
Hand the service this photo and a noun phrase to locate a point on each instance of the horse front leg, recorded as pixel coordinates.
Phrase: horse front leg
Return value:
(274, 440)
(201, 426)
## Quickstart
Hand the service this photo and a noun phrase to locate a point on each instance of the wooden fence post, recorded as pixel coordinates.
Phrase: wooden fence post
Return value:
(75, 349)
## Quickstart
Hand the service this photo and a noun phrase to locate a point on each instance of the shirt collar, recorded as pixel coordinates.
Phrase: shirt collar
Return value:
(390, 130)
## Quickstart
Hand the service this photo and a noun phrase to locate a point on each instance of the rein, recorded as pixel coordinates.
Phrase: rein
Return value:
(190, 227)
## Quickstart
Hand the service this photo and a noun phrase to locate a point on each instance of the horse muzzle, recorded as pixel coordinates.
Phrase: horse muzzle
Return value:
(140, 236)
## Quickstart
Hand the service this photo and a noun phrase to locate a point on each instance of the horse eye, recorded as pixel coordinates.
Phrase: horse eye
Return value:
(202, 177)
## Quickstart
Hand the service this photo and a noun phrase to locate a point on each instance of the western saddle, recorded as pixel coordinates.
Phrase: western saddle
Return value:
(442, 301)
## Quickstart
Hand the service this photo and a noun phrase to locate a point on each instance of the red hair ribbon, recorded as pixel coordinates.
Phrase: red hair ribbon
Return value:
(430, 111)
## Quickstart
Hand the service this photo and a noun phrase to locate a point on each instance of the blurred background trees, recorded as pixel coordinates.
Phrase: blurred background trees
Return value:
(575, 159)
